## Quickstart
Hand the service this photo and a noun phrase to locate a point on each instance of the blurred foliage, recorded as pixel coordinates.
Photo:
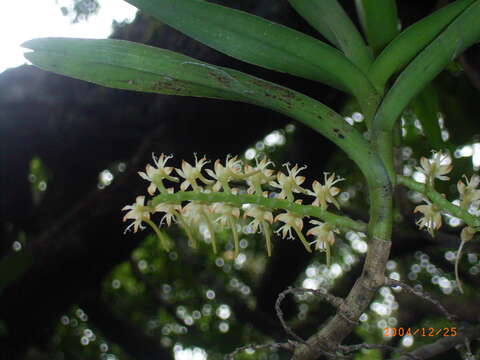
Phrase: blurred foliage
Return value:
(79, 10)
(38, 177)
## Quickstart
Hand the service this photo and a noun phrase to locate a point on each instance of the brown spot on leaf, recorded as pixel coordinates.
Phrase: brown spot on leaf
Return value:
(220, 78)
(281, 92)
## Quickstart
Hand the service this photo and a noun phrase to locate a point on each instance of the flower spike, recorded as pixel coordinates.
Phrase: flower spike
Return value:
(193, 206)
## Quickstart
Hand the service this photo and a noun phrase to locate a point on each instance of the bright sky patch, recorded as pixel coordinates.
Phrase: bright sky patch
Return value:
(22, 20)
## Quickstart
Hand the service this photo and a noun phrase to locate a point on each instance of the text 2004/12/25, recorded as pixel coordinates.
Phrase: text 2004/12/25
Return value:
(400, 331)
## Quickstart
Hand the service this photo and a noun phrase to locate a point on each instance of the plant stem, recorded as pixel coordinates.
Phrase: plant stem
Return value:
(233, 226)
(266, 231)
(211, 230)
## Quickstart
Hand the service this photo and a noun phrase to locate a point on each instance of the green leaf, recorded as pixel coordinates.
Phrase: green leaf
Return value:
(258, 41)
(131, 66)
(329, 18)
(458, 36)
(411, 41)
(426, 108)
(379, 21)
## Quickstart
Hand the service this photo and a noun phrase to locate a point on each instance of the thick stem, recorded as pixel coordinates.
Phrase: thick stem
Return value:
(373, 274)
(384, 143)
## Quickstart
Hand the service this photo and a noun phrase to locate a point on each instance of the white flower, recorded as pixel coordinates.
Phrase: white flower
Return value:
(196, 212)
(468, 193)
(326, 193)
(289, 183)
(258, 175)
(295, 222)
(193, 212)
(291, 221)
(156, 175)
(138, 212)
(436, 167)
(170, 209)
(226, 212)
(223, 174)
(192, 173)
(259, 214)
(324, 233)
(431, 219)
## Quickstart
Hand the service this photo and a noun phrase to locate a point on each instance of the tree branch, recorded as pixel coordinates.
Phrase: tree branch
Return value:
(289, 346)
(427, 297)
(331, 299)
(359, 298)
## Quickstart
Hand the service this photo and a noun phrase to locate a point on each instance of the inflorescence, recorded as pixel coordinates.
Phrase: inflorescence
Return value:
(232, 188)
(437, 168)
(216, 198)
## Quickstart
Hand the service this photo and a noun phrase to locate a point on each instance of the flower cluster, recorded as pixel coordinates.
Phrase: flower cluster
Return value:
(436, 168)
(431, 219)
(259, 181)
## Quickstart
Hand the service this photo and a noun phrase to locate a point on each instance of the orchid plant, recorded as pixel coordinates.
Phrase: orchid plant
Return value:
(383, 73)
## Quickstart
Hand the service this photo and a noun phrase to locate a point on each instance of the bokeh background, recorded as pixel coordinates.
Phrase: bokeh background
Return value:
(74, 286)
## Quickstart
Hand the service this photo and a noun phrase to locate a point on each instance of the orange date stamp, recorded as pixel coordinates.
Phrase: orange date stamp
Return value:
(430, 331)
